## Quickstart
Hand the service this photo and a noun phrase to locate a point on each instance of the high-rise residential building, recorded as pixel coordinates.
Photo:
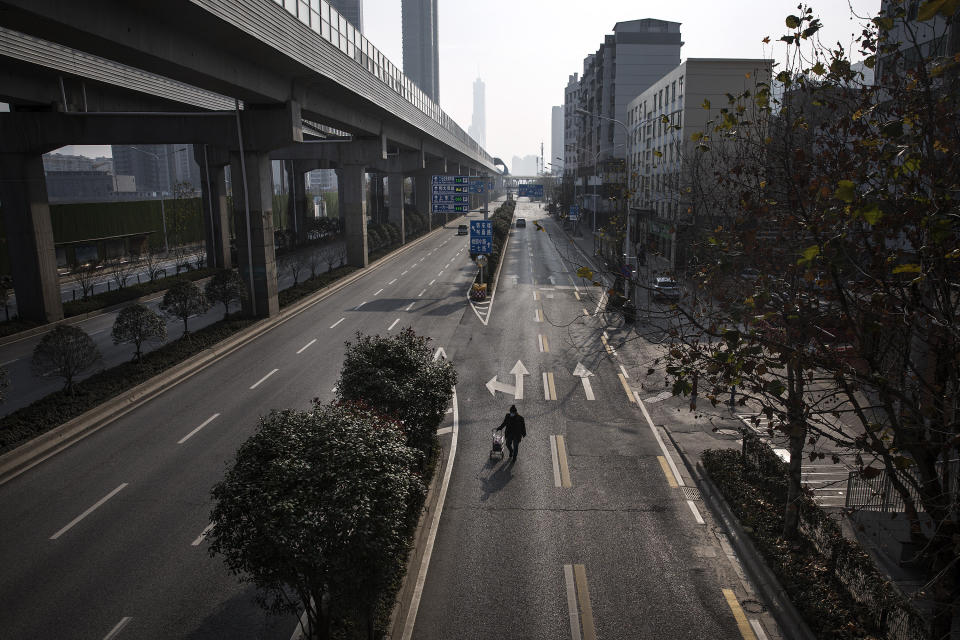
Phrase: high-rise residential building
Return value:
(478, 126)
(571, 102)
(352, 10)
(556, 140)
(661, 121)
(421, 54)
(157, 168)
(631, 59)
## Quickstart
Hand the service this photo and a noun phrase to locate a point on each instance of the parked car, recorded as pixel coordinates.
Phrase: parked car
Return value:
(665, 288)
(521, 223)
(463, 230)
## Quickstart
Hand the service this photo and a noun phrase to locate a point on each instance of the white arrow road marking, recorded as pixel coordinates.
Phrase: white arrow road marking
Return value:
(440, 353)
(518, 372)
(493, 385)
(584, 375)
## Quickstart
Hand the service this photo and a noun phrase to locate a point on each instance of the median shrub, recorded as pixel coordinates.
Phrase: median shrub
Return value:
(831, 580)
(128, 293)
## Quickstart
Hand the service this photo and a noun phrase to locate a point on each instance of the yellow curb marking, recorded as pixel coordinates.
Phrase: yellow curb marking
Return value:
(666, 471)
(745, 629)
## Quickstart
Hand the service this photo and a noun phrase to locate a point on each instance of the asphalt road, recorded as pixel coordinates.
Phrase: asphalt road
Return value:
(582, 537)
(26, 386)
(509, 536)
(131, 560)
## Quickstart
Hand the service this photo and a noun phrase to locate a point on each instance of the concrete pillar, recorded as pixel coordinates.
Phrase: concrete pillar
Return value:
(421, 192)
(395, 184)
(259, 262)
(26, 216)
(353, 210)
(303, 208)
(216, 222)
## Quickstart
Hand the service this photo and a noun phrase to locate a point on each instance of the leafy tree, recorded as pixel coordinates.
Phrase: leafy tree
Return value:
(66, 351)
(315, 510)
(844, 196)
(399, 377)
(136, 324)
(226, 286)
(6, 284)
(184, 299)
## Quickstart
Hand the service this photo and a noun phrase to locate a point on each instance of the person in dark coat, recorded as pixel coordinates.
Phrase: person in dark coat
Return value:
(514, 429)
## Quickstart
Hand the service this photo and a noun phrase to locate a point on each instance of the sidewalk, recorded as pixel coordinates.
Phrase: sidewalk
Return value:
(719, 427)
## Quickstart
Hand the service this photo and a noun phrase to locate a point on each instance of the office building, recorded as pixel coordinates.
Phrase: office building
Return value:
(660, 153)
(556, 140)
(478, 126)
(631, 59)
(421, 55)
(352, 10)
(157, 168)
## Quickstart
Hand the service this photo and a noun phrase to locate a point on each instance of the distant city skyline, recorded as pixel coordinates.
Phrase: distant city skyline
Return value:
(519, 119)
(478, 123)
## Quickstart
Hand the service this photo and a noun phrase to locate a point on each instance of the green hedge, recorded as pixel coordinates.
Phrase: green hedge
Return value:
(58, 407)
(311, 285)
(811, 568)
(130, 292)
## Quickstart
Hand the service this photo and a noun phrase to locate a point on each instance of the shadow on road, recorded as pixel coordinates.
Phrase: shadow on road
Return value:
(493, 482)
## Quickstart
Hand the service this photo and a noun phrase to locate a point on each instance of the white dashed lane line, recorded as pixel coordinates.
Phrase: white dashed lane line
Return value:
(117, 628)
(202, 425)
(202, 536)
(391, 282)
(83, 515)
(390, 328)
(261, 380)
(306, 346)
(337, 322)
(378, 292)
(420, 295)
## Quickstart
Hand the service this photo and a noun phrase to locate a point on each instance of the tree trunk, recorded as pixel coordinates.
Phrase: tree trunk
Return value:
(797, 427)
(185, 324)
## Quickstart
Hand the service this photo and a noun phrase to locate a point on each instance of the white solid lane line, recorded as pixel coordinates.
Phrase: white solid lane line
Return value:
(117, 628)
(572, 602)
(378, 292)
(3, 364)
(257, 383)
(696, 512)
(391, 282)
(309, 344)
(202, 425)
(202, 536)
(390, 328)
(656, 435)
(93, 333)
(761, 634)
(409, 306)
(83, 515)
(624, 370)
(336, 323)
(420, 295)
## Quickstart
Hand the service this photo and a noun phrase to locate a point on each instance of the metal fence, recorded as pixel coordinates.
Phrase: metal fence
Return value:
(882, 603)
(879, 494)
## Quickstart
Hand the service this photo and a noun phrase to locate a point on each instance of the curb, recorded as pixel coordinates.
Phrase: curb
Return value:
(48, 444)
(401, 606)
(791, 623)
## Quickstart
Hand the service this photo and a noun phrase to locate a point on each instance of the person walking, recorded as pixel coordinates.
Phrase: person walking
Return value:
(515, 430)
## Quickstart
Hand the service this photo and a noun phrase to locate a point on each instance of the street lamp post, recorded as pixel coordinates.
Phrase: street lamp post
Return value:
(163, 211)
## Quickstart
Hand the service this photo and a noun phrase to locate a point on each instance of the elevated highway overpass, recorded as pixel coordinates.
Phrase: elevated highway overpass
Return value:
(247, 81)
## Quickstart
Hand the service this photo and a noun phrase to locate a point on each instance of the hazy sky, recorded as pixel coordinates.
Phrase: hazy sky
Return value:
(525, 49)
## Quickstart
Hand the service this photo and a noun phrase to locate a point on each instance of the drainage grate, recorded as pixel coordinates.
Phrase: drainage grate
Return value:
(691, 493)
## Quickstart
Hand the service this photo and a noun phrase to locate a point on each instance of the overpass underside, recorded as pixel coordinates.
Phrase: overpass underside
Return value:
(247, 85)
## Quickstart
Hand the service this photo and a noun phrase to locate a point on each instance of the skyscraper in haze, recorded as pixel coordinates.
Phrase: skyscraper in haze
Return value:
(352, 10)
(556, 139)
(478, 126)
(421, 55)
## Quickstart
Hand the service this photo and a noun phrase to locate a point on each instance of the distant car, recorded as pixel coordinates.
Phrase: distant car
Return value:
(463, 230)
(521, 223)
(665, 288)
